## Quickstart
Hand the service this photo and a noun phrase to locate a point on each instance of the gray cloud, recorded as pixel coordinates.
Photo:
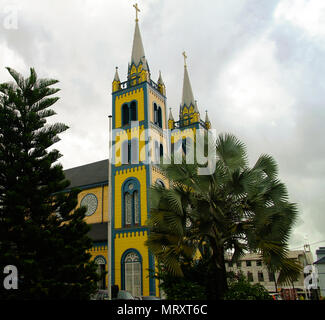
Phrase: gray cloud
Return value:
(256, 69)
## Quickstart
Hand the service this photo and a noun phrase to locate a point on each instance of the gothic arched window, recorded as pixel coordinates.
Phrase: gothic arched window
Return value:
(133, 111)
(131, 202)
(125, 114)
(159, 122)
(101, 263)
(132, 272)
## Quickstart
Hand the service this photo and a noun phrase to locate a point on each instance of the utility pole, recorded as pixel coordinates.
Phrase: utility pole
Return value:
(109, 222)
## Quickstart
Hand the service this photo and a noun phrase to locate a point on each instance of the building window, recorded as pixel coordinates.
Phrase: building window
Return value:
(134, 149)
(133, 111)
(161, 150)
(260, 276)
(250, 276)
(157, 115)
(125, 114)
(131, 202)
(101, 263)
(160, 183)
(258, 263)
(131, 267)
(248, 263)
(238, 264)
(230, 264)
(271, 276)
(126, 152)
(129, 113)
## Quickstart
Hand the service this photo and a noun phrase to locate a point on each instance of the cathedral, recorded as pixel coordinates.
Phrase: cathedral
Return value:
(139, 126)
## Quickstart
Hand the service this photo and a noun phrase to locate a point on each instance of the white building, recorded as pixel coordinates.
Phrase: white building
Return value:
(320, 265)
(252, 266)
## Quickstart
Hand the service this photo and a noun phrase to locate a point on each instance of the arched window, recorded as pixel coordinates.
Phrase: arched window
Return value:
(159, 122)
(133, 111)
(131, 202)
(135, 151)
(155, 113)
(101, 263)
(125, 114)
(161, 150)
(157, 157)
(160, 183)
(129, 113)
(125, 152)
(132, 273)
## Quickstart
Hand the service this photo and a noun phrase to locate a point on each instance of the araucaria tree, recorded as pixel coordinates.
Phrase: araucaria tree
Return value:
(235, 209)
(41, 232)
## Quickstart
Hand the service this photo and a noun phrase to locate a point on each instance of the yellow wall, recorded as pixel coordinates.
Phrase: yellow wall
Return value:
(101, 214)
(140, 174)
(158, 99)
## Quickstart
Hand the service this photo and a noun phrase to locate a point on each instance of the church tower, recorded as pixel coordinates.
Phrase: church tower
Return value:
(138, 104)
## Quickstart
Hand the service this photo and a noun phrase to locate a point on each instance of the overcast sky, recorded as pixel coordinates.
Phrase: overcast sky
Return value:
(257, 66)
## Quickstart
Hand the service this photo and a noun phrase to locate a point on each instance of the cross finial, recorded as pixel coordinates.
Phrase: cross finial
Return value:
(185, 57)
(136, 11)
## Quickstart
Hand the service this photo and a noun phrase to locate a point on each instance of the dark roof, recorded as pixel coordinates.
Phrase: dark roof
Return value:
(88, 174)
(98, 231)
(320, 261)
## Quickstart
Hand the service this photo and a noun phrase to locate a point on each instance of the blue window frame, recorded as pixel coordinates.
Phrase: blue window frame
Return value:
(131, 214)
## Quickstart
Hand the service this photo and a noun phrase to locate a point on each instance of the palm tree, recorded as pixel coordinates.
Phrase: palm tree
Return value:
(236, 208)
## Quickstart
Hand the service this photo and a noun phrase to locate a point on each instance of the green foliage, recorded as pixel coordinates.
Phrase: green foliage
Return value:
(40, 232)
(189, 287)
(241, 289)
(235, 208)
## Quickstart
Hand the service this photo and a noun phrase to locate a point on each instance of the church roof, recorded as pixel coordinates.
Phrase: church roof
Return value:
(98, 231)
(88, 174)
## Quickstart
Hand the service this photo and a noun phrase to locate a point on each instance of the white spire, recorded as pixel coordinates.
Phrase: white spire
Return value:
(187, 97)
(137, 49)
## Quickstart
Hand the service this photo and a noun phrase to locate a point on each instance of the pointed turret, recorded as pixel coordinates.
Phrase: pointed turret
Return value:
(171, 121)
(161, 85)
(116, 85)
(207, 120)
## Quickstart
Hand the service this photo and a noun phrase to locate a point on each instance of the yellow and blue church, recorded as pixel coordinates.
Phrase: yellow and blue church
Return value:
(139, 120)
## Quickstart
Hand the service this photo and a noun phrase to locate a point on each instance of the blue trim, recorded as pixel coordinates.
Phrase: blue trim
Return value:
(122, 263)
(152, 282)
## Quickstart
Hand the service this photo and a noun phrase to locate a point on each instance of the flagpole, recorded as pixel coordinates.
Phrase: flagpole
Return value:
(109, 222)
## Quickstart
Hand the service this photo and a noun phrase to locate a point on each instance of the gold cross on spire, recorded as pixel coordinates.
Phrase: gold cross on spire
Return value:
(185, 57)
(136, 11)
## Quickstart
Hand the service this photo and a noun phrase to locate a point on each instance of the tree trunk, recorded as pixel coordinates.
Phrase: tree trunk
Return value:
(217, 281)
